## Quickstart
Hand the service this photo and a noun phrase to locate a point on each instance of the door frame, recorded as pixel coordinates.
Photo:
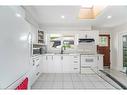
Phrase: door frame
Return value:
(120, 52)
(109, 42)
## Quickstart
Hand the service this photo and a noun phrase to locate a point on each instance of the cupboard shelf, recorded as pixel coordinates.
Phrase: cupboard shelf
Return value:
(40, 37)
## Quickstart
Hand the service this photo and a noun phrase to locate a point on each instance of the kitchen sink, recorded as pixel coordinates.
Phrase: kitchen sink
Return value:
(61, 53)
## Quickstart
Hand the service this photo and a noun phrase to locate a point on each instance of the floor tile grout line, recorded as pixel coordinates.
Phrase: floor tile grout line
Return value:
(72, 81)
(103, 79)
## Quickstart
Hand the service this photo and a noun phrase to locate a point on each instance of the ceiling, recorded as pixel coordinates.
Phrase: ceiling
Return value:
(51, 16)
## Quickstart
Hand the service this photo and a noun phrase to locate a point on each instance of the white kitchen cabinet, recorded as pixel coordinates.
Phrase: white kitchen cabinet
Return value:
(67, 63)
(35, 70)
(76, 63)
(100, 61)
(50, 63)
(44, 65)
(60, 63)
(57, 64)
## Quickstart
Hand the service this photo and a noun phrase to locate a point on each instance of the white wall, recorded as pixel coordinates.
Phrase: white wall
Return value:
(116, 35)
(30, 19)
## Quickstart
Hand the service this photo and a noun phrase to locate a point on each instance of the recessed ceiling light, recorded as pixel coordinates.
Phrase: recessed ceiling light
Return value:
(18, 15)
(62, 17)
(109, 17)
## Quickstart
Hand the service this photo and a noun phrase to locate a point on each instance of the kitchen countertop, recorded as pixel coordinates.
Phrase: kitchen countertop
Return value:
(73, 54)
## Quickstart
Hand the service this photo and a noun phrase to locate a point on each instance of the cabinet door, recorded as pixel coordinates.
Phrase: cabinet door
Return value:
(100, 62)
(44, 66)
(50, 63)
(67, 63)
(57, 64)
(40, 63)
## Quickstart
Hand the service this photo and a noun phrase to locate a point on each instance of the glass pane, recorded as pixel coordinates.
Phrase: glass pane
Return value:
(103, 41)
(55, 41)
(125, 51)
(68, 42)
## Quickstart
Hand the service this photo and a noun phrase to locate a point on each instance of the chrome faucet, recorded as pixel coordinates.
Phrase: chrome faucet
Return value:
(62, 50)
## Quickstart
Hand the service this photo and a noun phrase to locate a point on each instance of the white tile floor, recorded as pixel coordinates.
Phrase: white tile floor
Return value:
(71, 81)
(119, 76)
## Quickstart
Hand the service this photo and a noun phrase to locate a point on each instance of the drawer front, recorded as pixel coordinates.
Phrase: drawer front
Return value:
(76, 65)
(76, 57)
(76, 62)
(35, 75)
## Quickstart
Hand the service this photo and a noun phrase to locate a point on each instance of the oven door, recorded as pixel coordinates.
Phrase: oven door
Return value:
(88, 61)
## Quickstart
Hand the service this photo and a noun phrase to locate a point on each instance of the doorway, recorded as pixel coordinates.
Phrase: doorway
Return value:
(104, 48)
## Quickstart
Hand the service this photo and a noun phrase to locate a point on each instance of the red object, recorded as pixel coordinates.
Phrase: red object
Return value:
(23, 85)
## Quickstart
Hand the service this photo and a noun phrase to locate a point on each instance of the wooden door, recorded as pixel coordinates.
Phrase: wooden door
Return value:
(104, 48)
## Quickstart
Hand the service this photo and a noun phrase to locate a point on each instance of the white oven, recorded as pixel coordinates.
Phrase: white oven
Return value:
(88, 62)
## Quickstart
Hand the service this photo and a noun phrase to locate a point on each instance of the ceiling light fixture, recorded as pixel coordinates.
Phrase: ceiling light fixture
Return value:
(18, 15)
(62, 16)
(109, 17)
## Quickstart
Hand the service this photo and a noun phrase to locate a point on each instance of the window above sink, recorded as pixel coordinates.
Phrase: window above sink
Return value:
(56, 41)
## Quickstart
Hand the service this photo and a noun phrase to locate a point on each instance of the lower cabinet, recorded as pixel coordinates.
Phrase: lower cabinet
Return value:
(50, 63)
(100, 62)
(44, 65)
(67, 63)
(60, 64)
(35, 71)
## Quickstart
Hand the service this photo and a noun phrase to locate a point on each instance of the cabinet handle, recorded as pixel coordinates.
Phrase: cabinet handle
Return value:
(61, 57)
(33, 62)
(37, 73)
(75, 57)
(52, 57)
(98, 57)
(75, 61)
(37, 59)
(75, 68)
(46, 57)
(37, 65)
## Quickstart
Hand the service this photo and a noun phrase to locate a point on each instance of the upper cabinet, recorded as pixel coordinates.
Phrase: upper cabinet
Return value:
(37, 36)
(40, 37)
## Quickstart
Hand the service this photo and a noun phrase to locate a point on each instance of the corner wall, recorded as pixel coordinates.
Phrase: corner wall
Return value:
(116, 35)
